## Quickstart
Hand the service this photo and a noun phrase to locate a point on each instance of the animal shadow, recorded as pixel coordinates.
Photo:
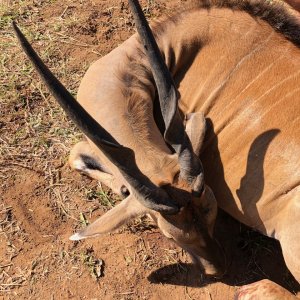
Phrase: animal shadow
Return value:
(250, 255)
(250, 258)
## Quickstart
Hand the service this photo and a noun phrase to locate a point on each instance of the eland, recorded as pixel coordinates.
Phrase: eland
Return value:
(219, 81)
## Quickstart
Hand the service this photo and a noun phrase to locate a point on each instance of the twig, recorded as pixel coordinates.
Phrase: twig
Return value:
(46, 99)
(209, 294)
(5, 266)
(186, 291)
(11, 284)
(63, 13)
(73, 39)
(22, 166)
(125, 293)
(61, 205)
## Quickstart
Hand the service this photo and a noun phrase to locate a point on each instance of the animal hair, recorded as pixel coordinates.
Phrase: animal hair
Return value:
(138, 113)
(138, 83)
(138, 90)
(275, 13)
(137, 74)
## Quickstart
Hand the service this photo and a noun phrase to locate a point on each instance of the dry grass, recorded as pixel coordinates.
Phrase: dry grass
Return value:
(41, 200)
(34, 132)
(36, 136)
(10, 231)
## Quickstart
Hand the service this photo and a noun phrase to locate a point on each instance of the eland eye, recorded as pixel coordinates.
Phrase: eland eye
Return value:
(124, 191)
(206, 210)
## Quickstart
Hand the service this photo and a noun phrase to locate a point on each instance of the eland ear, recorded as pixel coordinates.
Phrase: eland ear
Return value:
(195, 128)
(127, 210)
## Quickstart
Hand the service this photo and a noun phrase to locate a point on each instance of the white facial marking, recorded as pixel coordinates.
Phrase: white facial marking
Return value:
(79, 165)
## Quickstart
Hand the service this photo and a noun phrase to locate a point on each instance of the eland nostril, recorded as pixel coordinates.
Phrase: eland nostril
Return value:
(124, 191)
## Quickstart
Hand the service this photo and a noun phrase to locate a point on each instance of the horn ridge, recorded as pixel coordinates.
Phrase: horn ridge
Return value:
(72, 107)
(175, 135)
(163, 79)
(146, 192)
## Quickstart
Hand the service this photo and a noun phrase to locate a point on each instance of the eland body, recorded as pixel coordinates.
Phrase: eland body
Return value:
(238, 64)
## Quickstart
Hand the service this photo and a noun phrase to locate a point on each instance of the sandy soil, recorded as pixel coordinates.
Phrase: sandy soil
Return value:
(42, 202)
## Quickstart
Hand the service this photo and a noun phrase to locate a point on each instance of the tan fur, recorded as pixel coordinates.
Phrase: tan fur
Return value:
(263, 289)
(294, 3)
(237, 62)
(139, 114)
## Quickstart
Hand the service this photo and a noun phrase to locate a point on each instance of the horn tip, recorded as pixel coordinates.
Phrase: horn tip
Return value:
(16, 29)
(14, 25)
